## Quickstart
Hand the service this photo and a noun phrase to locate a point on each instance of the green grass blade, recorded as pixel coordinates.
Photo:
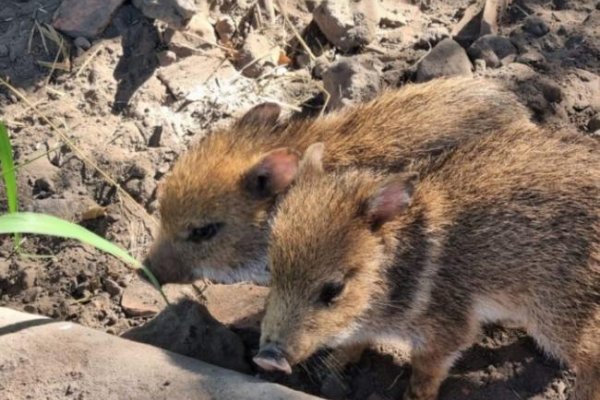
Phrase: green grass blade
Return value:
(8, 174)
(43, 224)
(8, 169)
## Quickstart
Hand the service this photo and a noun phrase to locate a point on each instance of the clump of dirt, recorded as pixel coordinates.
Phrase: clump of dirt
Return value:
(131, 100)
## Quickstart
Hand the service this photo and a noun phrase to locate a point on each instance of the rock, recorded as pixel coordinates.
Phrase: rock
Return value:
(29, 276)
(256, 55)
(446, 59)
(495, 50)
(594, 123)
(111, 367)
(351, 80)
(238, 305)
(225, 28)
(535, 25)
(140, 299)
(533, 58)
(348, 24)
(551, 91)
(85, 18)
(187, 328)
(82, 43)
(193, 75)
(112, 287)
(392, 18)
(200, 26)
(166, 58)
(176, 13)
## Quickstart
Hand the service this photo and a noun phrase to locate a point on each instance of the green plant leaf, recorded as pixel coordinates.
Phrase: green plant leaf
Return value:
(8, 175)
(43, 224)
(8, 169)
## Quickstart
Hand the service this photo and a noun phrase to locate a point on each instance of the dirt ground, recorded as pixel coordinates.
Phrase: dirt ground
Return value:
(128, 110)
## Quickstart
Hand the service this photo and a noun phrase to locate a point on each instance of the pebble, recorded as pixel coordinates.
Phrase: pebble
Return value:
(594, 123)
(176, 13)
(535, 25)
(82, 43)
(112, 287)
(166, 58)
(448, 58)
(495, 50)
(257, 54)
(225, 28)
(348, 24)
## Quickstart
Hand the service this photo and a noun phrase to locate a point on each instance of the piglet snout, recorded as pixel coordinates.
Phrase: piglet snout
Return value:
(271, 358)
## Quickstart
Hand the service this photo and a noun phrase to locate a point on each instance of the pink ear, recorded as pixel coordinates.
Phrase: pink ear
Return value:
(265, 114)
(390, 200)
(273, 174)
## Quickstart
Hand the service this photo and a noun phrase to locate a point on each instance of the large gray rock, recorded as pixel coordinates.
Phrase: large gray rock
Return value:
(447, 58)
(46, 359)
(348, 24)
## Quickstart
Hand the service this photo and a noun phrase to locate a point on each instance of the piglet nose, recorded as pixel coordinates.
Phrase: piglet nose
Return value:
(271, 358)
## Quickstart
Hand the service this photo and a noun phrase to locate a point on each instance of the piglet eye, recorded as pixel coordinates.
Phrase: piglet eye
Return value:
(330, 292)
(204, 233)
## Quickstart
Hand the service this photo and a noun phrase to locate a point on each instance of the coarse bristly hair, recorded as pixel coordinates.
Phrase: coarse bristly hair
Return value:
(507, 227)
(216, 202)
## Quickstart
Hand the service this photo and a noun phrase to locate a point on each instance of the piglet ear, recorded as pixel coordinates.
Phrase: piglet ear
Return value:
(391, 199)
(312, 160)
(273, 174)
(265, 114)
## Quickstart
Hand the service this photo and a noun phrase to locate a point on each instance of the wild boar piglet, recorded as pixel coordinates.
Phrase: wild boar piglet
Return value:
(503, 228)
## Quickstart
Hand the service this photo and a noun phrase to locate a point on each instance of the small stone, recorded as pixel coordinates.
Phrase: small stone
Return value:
(199, 25)
(351, 80)
(225, 28)
(29, 277)
(256, 54)
(448, 58)
(4, 50)
(551, 91)
(348, 24)
(166, 58)
(82, 43)
(87, 19)
(176, 13)
(30, 308)
(532, 57)
(495, 50)
(140, 299)
(112, 287)
(536, 26)
(594, 123)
